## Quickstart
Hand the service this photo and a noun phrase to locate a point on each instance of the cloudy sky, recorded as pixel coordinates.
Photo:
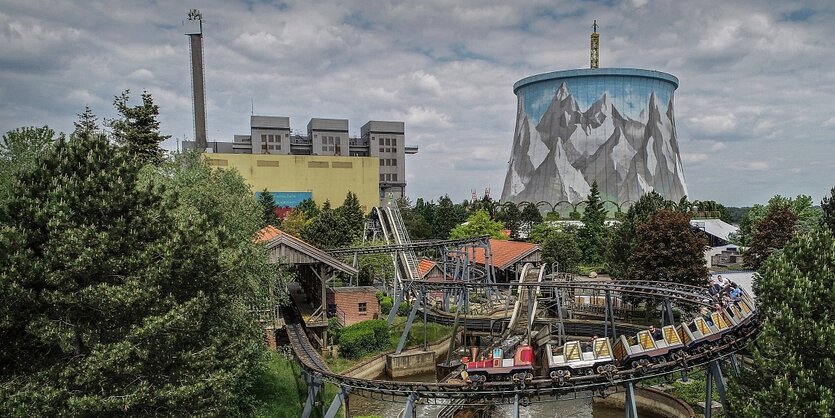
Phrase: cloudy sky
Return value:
(755, 108)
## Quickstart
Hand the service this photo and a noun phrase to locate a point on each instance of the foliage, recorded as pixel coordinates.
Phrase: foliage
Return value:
(667, 249)
(478, 224)
(828, 208)
(558, 246)
(414, 218)
(87, 123)
(279, 390)
(137, 128)
(530, 217)
(334, 329)
(364, 337)
(794, 355)
(575, 216)
(623, 237)
(404, 308)
(118, 300)
(309, 208)
(295, 222)
(18, 151)
(353, 216)
(772, 232)
(510, 216)
(327, 230)
(372, 267)
(808, 216)
(552, 216)
(267, 203)
(446, 215)
(386, 303)
(591, 237)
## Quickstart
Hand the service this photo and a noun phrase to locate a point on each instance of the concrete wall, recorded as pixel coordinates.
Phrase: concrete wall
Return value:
(651, 402)
(376, 367)
(328, 178)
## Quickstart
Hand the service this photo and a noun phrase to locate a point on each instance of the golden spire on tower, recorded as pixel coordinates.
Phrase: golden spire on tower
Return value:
(595, 46)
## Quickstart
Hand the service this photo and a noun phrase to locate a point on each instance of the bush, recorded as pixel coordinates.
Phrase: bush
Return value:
(386, 303)
(404, 309)
(364, 337)
(334, 329)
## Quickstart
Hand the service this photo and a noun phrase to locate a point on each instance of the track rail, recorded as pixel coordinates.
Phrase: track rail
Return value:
(539, 386)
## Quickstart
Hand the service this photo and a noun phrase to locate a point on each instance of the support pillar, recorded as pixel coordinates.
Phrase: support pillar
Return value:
(716, 371)
(630, 409)
(398, 299)
(313, 384)
(611, 314)
(668, 313)
(409, 322)
(709, 395)
(516, 406)
(338, 400)
(409, 411)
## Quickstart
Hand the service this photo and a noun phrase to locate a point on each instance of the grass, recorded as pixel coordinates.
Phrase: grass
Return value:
(693, 392)
(280, 390)
(434, 332)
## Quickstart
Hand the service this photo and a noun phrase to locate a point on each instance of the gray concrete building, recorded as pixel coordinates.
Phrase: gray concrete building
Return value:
(328, 137)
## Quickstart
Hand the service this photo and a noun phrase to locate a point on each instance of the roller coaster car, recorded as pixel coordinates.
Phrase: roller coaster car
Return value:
(648, 350)
(577, 362)
(698, 333)
(518, 369)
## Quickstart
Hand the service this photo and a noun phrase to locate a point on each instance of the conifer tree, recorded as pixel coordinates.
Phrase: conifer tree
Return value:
(137, 128)
(828, 207)
(267, 203)
(353, 216)
(794, 354)
(87, 123)
(112, 306)
(592, 235)
(18, 151)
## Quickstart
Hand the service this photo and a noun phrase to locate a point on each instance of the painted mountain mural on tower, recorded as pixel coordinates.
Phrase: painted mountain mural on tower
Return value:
(559, 156)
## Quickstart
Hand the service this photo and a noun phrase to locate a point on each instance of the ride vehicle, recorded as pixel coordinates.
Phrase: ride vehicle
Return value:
(497, 368)
(572, 360)
(647, 349)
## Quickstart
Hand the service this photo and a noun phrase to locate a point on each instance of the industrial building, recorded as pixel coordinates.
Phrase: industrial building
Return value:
(613, 126)
(323, 164)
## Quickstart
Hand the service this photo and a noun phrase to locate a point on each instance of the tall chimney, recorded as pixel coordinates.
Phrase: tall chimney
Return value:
(194, 30)
(595, 46)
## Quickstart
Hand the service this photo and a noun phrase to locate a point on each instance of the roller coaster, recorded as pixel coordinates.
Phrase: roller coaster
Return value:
(615, 360)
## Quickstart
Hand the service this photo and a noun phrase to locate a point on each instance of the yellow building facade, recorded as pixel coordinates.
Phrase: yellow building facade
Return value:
(324, 177)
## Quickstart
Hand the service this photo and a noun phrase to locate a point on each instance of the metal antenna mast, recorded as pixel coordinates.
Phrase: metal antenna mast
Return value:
(595, 46)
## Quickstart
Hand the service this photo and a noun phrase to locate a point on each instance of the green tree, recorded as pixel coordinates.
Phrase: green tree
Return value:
(19, 150)
(417, 226)
(510, 216)
(87, 123)
(327, 230)
(794, 354)
(623, 237)
(808, 216)
(828, 209)
(591, 237)
(137, 128)
(373, 267)
(530, 217)
(295, 222)
(558, 246)
(446, 216)
(773, 231)
(479, 224)
(267, 203)
(667, 249)
(309, 207)
(353, 216)
(113, 304)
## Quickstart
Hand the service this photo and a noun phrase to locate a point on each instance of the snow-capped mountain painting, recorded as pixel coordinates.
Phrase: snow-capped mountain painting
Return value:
(629, 151)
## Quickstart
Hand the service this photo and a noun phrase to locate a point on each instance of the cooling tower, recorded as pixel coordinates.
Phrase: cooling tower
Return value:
(615, 126)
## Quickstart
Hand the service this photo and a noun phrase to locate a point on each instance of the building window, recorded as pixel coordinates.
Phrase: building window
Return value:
(382, 162)
(393, 161)
(263, 137)
(278, 147)
(394, 177)
(362, 308)
(382, 177)
(394, 141)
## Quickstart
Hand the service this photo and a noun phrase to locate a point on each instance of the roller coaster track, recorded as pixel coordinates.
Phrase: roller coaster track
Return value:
(411, 245)
(539, 387)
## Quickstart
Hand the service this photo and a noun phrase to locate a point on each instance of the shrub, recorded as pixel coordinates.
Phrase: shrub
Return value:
(334, 329)
(363, 338)
(404, 309)
(386, 303)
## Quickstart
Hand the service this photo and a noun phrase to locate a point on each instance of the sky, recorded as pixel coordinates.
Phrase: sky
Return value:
(755, 109)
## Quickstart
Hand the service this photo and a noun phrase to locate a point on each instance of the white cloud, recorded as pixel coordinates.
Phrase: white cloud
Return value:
(751, 165)
(693, 158)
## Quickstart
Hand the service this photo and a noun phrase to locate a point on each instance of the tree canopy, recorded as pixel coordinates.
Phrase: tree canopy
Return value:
(794, 355)
(667, 249)
(479, 224)
(137, 128)
(19, 150)
(772, 232)
(119, 297)
(591, 237)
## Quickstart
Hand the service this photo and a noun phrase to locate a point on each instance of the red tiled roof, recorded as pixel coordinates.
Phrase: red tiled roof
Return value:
(505, 253)
(267, 233)
(425, 266)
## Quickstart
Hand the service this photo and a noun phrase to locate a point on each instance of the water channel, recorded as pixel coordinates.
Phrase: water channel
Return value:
(574, 408)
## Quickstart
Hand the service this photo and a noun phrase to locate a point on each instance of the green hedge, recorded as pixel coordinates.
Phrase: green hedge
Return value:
(364, 337)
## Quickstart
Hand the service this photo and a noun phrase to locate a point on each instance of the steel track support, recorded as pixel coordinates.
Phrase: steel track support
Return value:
(313, 384)
(409, 411)
(709, 394)
(454, 330)
(338, 400)
(516, 406)
(630, 409)
(668, 313)
(409, 322)
(716, 370)
(398, 299)
(561, 327)
(735, 365)
(610, 312)
(531, 295)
